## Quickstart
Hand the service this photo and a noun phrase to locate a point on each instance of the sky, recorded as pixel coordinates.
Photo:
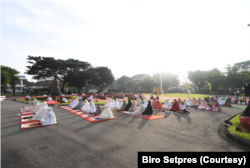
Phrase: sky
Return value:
(129, 37)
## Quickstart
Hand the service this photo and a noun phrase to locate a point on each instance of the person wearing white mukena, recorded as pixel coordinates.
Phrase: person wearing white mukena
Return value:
(145, 103)
(41, 113)
(86, 106)
(50, 117)
(167, 105)
(106, 113)
(92, 107)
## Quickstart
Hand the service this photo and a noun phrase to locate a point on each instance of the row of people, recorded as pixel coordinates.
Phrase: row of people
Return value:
(41, 112)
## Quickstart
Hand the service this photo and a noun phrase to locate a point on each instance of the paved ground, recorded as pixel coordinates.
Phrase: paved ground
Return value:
(76, 142)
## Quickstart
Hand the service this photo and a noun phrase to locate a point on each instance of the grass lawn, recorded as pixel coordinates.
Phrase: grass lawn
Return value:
(235, 123)
(179, 95)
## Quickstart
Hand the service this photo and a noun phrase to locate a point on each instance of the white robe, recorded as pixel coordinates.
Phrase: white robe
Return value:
(139, 110)
(77, 102)
(41, 113)
(109, 102)
(220, 101)
(49, 99)
(106, 113)
(86, 106)
(191, 102)
(37, 108)
(145, 103)
(167, 105)
(49, 119)
(112, 105)
(91, 108)
(183, 107)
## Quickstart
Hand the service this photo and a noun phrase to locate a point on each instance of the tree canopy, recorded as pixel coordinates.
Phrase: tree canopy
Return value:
(8, 76)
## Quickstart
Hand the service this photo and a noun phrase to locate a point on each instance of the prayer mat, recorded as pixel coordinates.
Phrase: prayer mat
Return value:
(23, 111)
(86, 116)
(148, 117)
(53, 102)
(28, 123)
(239, 107)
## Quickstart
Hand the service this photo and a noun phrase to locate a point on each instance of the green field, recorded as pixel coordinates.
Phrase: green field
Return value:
(235, 123)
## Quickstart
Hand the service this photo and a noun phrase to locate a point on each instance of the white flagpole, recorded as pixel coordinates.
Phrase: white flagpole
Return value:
(161, 83)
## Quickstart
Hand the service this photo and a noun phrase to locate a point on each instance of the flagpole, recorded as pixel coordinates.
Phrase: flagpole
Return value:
(161, 83)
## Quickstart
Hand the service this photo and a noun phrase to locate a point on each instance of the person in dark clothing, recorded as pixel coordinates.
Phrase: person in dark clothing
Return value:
(128, 105)
(149, 109)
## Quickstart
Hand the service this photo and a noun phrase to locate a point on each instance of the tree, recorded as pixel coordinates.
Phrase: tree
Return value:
(45, 67)
(149, 82)
(105, 76)
(139, 77)
(123, 80)
(243, 66)
(197, 77)
(9, 76)
(5, 79)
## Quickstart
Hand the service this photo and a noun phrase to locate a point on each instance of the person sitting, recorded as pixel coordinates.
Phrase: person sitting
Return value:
(133, 107)
(203, 105)
(151, 97)
(175, 107)
(60, 99)
(186, 103)
(124, 104)
(145, 103)
(220, 101)
(79, 105)
(234, 100)
(243, 100)
(41, 113)
(120, 104)
(183, 108)
(106, 113)
(228, 102)
(216, 106)
(109, 102)
(153, 104)
(157, 97)
(137, 102)
(195, 102)
(76, 103)
(64, 100)
(72, 103)
(50, 117)
(149, 109)
(27, 97)
(167, 105)
(199, 100)
(128, 105)
(49, 99)
(179, 101)
(191, 103)
(91, 108)
(158, 105)
(86, 106)
(98, 109)
(139, 110)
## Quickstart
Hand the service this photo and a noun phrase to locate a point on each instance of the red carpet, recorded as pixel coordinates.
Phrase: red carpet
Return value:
(28, 123)
(148, 117)
(86, 115)
(51, 102)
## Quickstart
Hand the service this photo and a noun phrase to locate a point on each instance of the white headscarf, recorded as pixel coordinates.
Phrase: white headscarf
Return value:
(120, 104)
(41, 113)
(86, 106)
(77, 102)
(140, 109)
(92, 107)
(106, 113)
(167, 104)
(146, 103)
(109, 102)
(50, 118)
(37, 107)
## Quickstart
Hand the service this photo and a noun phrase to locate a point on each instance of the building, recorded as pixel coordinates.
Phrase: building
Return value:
(20, 85)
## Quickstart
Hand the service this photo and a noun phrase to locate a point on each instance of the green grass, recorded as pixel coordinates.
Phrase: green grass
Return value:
(235, 123)
(179, 95)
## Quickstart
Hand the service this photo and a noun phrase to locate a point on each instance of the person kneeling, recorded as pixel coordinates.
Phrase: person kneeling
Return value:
(50, 117)
(183, 108)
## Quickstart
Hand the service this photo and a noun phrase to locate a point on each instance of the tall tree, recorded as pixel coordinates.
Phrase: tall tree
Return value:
(9, 76)
(105, 77)
(123, 80)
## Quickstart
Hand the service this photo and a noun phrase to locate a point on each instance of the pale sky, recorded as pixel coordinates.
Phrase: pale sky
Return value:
(130, 37)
